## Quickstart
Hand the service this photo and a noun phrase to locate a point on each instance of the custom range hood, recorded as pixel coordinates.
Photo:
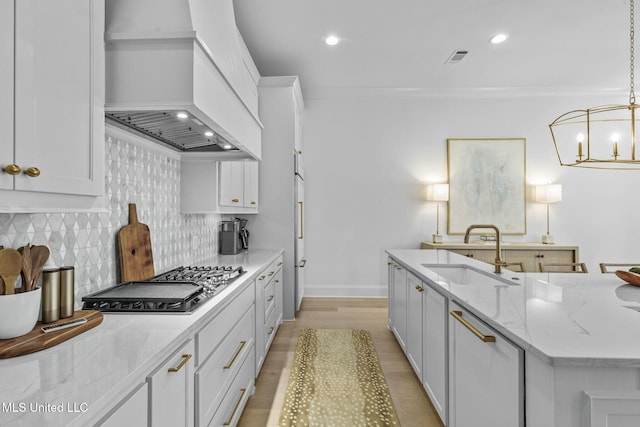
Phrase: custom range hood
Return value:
(178, 71)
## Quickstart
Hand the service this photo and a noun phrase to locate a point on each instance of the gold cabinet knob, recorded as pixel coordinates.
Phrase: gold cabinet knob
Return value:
(235, 200)
(12, 169)
(32, 172)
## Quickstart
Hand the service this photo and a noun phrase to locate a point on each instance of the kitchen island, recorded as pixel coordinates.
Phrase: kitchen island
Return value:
(85, 380)
(563, 347)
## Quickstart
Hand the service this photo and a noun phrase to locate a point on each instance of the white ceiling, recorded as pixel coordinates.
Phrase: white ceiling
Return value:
(553, 45)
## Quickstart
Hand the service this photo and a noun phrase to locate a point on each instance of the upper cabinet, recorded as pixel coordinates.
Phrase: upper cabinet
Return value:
(211, 186)
(182, 56)
(52, 97)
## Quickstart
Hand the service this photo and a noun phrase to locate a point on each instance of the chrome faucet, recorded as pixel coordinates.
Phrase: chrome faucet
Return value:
(498, 262)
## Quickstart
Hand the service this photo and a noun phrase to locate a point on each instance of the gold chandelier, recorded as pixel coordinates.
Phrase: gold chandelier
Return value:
(600, 137)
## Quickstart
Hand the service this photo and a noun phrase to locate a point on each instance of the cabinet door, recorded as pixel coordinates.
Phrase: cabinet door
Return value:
(6, 91)
(556, 256)
(486, 378)
(434, 350)
(231, 183)
(250, 184)
(171, 397)
(399, 313)
(528, 258)
(415, 290)
(59, 121)
(131, 412)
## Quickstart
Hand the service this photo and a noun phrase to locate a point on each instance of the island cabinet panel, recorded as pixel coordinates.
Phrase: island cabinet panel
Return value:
(415, 290)
(398, 302)
(434, 349)
(485, 375)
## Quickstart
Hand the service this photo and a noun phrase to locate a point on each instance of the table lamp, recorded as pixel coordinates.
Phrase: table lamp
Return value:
(438, 193)
(549, 193)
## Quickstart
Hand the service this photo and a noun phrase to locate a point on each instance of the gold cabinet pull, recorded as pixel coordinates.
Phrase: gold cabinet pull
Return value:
(235, 200)
(254, 203)
(484, 338)
(419, 288)
(270, 330)
(235, 408)
(270, 273)
(302, 263)
(280, 263)
(262, 277)
(185, 359)
(270, 298)
(235, 356)
(12, 169)
(32, 172)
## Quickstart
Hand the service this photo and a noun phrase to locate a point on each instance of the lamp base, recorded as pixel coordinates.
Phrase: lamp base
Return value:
(437, 238)
(547, 239)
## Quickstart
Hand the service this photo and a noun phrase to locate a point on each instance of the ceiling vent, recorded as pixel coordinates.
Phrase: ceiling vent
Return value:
(456, 56)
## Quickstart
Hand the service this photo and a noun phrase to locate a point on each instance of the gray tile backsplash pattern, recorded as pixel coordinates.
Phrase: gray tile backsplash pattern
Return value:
(87, 240)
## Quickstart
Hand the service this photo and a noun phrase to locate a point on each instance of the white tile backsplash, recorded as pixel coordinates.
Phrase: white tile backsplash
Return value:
(87, 240)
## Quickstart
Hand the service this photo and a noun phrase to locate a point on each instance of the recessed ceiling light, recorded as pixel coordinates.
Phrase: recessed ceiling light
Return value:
(332, 40)
(227, 146)
(498, 38)
(208, 133)
(182, 115)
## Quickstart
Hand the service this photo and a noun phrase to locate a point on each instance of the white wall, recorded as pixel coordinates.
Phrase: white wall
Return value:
(368, 156)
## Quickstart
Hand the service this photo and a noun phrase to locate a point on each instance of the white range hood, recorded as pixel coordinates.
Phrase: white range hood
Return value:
(182, 56)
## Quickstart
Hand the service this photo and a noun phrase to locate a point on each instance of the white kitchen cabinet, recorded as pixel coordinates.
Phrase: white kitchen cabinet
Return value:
(131, 411)
(6, 88)
(208, 185)
(278, 224)
(415, 294)
(398, 296)
(171, 389)
(225, 351)
(239, 184)
(268, 308)
(57, 143)
(434, 349)
(486, 375)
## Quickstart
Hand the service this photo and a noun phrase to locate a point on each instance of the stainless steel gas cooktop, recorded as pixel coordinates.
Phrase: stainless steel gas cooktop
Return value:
(181, 290)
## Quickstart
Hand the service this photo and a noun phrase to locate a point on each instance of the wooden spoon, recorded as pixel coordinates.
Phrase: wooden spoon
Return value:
(26, 266)
(39, 256)
(10, 268)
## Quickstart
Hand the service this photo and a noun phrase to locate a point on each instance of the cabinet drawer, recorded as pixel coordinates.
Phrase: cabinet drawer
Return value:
(269, 330)
(269, 298)
(214, 332)
(215, 375)
(278, 263)
(234, 401)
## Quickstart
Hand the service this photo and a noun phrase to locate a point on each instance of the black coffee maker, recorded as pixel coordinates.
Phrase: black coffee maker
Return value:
(234, 236)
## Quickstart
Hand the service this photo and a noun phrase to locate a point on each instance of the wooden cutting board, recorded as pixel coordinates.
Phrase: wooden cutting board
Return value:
(134, 246)
(37, 340)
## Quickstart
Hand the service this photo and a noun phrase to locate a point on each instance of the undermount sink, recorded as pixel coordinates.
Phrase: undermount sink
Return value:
(461, 274)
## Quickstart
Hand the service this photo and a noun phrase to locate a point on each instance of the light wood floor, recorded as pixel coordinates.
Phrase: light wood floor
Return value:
(412, 404)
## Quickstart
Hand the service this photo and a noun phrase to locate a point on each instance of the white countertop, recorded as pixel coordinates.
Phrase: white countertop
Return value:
(98, 367)
(580, 319)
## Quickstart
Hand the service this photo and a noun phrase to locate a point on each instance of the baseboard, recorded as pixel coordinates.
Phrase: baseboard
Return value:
(342, 291)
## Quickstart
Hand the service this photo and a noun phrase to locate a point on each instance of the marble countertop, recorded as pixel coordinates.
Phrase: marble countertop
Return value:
(73, 382)
(563, 318)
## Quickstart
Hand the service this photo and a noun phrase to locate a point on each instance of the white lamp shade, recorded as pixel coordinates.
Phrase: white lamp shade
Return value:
(549, 193)
(438, 192)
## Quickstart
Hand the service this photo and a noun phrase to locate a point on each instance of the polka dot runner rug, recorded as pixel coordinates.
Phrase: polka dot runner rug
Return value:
(336, 381)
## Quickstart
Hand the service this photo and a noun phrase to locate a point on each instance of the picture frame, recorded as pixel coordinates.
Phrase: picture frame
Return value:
(487, 184)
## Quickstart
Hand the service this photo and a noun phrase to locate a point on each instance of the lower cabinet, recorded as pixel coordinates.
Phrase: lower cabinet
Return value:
(415, 290)
(434, 349)
(131, 412)
(171, 389)
(398, 302)
(269, 296)
(485, 375)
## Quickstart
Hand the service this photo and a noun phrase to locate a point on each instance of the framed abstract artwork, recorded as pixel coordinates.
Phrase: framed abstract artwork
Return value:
(487, 184)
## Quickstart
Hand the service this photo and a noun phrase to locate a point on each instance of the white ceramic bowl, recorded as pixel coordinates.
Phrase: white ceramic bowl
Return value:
(19, 313)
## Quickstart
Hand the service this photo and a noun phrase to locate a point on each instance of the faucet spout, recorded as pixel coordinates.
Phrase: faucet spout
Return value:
(498, 262)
